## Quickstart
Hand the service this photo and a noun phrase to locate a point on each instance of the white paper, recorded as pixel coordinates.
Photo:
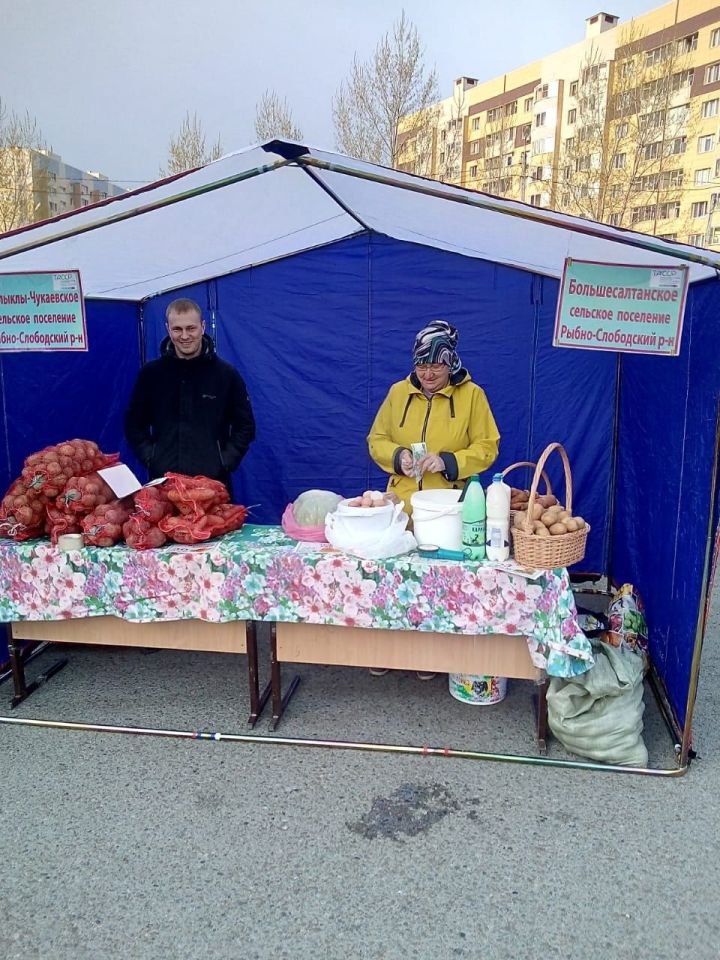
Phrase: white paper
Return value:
(121, 480)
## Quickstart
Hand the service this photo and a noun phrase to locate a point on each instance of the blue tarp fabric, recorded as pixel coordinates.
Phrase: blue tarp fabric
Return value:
(320, 336)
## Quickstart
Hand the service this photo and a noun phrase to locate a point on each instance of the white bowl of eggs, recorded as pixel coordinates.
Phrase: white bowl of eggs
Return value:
(363, 518)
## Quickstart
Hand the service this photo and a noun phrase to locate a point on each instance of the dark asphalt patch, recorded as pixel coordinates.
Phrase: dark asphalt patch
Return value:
(408, 811)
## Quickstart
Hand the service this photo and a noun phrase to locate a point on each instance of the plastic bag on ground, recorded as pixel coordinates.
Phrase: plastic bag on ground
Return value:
(599, 714)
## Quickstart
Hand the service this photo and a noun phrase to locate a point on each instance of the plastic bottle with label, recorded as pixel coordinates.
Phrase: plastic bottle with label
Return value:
(497, 536)
(473, 518)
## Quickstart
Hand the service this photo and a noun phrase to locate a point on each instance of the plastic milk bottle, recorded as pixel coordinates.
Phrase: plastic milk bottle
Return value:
(473, 518)
(497, 537)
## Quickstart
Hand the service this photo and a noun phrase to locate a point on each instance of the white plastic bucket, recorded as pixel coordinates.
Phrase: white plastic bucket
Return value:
(437, 518)
(475, 690)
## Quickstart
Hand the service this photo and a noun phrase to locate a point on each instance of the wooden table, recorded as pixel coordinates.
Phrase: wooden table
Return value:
(500, 655)
(234, 637)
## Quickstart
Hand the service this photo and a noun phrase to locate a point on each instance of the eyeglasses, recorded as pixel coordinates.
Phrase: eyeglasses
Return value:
(431, 367)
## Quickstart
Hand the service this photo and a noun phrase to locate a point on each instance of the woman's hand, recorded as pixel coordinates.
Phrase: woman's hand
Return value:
(432, 463)
(406, 463)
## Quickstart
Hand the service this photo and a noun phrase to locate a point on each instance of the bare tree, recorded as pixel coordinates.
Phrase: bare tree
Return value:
(498, 168)
(187, 150)
(20, 138)
(370, 104)
(273, 118)
(633, 120)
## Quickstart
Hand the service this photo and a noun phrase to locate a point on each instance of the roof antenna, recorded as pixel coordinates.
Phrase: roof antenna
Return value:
(288, 151)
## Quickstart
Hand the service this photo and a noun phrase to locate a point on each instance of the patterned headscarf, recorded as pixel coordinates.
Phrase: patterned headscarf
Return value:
(436, 343)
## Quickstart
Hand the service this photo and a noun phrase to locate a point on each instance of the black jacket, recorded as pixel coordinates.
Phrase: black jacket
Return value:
(190, 416)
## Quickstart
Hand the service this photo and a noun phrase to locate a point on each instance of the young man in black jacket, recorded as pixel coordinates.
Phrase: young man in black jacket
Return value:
(189, 411)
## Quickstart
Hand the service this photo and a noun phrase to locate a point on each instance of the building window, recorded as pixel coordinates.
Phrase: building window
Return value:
(710, 108)
(536, 201)
(570, 144)
(669, 211)
(668, 236)
(475, 125)
(540, 119)
(687, 44)
(715, 237)
(715, 37)
(619, 161)
(528, 104)
(474, 148)
(473, 171)
(511, 109)
(706, 143)
(573, 88)
(712, 73)
(541, 92)
(678, 145)
(696, 239)
(493, 115)
(717, 169)
(646, 212)
(699, 209)
(702, 176)
(614, 219)
(651, 151)
(572, 115)
(657, 55)
(622, 131)
(680, 80)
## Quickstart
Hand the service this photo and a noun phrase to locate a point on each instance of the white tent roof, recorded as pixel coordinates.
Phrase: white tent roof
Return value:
(271, 201)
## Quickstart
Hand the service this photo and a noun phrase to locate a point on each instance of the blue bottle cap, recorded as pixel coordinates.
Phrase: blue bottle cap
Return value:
(497, 478)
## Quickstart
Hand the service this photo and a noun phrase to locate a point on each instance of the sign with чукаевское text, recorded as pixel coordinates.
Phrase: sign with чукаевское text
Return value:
(42, 311)
(615, 306)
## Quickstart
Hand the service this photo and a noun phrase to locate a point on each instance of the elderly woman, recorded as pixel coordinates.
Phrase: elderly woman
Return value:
(439, 405)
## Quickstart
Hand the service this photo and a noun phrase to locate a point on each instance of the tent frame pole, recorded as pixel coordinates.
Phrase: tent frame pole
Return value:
(360, 745)
(712, 546)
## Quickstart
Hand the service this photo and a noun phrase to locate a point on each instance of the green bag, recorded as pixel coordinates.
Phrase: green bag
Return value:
(600, 713)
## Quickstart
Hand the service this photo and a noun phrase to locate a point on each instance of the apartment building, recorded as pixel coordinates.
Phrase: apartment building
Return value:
(38, 184)
(622, 127)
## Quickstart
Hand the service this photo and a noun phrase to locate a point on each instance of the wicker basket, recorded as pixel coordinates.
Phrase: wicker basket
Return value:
(525, 463)
(549, 552)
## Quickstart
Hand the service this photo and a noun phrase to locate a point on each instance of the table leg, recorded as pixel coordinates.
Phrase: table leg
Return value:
(279, 702)
(257, 699)
(541, 715)
(17, 667)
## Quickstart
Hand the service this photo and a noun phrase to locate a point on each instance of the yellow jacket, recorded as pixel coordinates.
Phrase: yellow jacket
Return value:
(455, 423)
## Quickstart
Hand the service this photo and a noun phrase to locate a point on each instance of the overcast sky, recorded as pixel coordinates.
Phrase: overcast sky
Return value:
(109, 81)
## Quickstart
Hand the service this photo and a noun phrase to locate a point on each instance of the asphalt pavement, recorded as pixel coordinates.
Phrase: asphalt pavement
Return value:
(141, 848)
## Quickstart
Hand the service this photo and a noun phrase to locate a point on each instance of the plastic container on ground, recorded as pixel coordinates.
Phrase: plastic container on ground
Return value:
(475, 690)
(437, 518)
(497, 529)
(473, 518)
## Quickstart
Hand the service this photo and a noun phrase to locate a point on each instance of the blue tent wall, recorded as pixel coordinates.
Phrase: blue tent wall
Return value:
(319, 338)
(54, 396)
(665, 458)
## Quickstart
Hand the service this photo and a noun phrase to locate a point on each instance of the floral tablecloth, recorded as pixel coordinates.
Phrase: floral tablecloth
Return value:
(259, 574)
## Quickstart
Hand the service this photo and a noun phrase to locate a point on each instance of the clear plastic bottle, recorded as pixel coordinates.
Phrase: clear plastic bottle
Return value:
(497, 537)
(473, 518)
